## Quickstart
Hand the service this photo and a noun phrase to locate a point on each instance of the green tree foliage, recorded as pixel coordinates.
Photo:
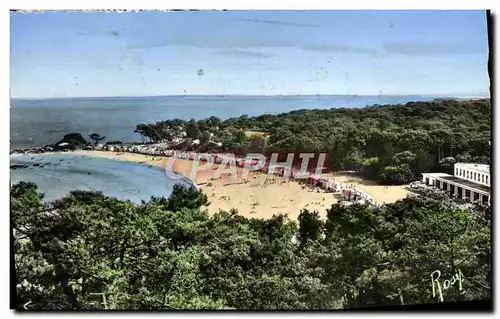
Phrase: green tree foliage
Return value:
(371, 167)
(192, 129)
(418, 134)
(114, 142)
(396, 175)
(89, 251)
(88, 245)
(182, 196)
(257, 144)
(310, 226)
(205, 137)
(387, 257)
(96, 138)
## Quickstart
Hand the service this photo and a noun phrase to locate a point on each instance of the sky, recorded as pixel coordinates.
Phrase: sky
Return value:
(85, 54)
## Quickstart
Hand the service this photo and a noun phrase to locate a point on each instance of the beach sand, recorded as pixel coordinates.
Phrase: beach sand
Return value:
(257, 197)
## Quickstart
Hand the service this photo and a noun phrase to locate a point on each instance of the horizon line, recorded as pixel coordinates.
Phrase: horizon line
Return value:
(469, 96)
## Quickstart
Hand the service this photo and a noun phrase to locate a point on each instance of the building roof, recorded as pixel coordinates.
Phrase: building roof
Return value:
(435, 174)
(457, 180)
(481, 167)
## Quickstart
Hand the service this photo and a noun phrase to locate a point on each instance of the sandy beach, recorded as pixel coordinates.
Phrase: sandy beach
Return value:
(258, 197)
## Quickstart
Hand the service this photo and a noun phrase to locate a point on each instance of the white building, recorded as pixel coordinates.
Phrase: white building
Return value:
(470, 182)
(477, 173)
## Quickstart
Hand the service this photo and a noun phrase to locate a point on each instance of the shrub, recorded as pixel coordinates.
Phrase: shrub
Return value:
(396, 175)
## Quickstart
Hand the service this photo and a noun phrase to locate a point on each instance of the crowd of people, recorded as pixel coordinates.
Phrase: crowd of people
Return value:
(348, 192)
(423, 190)
(420, 189)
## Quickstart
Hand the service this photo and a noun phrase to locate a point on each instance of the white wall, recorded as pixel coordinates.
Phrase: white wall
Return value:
(472, 174)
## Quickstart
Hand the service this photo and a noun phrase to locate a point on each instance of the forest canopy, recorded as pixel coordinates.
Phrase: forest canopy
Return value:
(89, 251)
(390, 143)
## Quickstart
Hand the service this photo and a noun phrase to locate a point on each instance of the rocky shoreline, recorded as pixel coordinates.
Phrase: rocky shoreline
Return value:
(38, 163)
(70, 142)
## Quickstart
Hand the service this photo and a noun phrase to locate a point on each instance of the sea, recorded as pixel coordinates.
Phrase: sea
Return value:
(34, 123)
(38, 122)
(58, 174)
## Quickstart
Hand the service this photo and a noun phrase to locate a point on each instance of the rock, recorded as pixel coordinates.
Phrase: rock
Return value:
(71, 141)
(18, 166)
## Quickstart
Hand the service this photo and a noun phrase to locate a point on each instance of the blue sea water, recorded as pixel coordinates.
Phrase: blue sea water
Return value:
(62, 173)
(35, 123)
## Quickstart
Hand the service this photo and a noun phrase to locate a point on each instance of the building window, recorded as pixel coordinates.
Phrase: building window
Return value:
(486, 179)
(474, 175)
(482, 178)
(456, 171)
(467, 174)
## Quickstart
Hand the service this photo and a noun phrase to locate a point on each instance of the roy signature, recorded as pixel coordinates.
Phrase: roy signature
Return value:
(437, 288)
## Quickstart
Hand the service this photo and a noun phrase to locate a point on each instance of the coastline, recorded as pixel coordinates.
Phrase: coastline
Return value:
(258, 197)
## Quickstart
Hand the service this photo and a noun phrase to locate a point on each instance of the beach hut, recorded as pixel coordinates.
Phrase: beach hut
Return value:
(313, 180)
(323, 183)
(347, 193)
(217, 159)
(330, 186)
(298, 174)
(203, 157)
(240, 162)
